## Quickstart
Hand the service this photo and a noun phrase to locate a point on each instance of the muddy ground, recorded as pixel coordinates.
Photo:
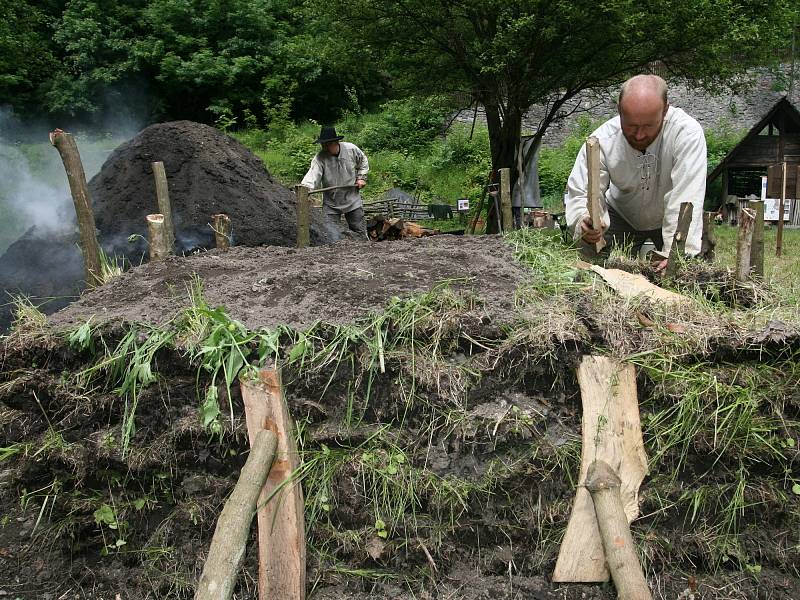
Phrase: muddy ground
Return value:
(464, 441)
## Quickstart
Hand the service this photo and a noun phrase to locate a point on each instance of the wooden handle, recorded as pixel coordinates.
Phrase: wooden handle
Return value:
(593, 188)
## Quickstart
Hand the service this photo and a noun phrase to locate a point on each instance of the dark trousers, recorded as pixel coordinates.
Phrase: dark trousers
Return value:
(621, 233)
(354, 218)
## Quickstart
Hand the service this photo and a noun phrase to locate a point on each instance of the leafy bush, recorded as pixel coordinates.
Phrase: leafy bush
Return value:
(555, 164)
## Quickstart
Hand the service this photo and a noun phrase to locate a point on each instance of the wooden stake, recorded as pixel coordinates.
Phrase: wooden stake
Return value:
(505, 200)
(70, 156)
(281, 527)
(708, 242)
(744, 243)
(222, 231)
(303, 216)
(229, 543)
(623, 562)
(678, 248)
(779, 237)
(164, 206)
(593, 193)
(757, 249)
(159, 249)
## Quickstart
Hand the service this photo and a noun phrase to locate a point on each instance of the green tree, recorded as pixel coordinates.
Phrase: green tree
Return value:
(511, 54)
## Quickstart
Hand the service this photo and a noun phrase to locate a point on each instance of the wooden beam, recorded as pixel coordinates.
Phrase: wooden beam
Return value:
(593, 192)
(633, 285)
(281, 525)
(505, 200)
(708, 241)
(744, 242)
(611, 431)
(303, 216)
(779, 235)
(71, 157)
(678, 249)
(222, 231)
(229, 543)
(157, 235)
(757, 249)
(164, 205)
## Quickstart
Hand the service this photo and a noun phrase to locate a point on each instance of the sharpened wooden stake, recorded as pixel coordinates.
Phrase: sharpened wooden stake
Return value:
(708, 241)
(678, 248)
(229, 543)
(303, 216)
(281, 526)
(593, 192)
(164, 206)
(757, 249)
(222, 231)
(157, 235)
(71, 157)
(623, 562)
(744, 243)
(505, 200)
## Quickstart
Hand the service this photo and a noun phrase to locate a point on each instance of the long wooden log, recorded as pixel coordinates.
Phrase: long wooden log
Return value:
(611, 431)
(222, 230)
(164, 205)
(744, 243)
(281, 526)
(303, 216)
(593, 192)
(229, 543)
(620, 552)
(708, 242)
(71, 157)
(158, 239)
(757, 249)
(779, 234)
(678, 249)
(505, 200)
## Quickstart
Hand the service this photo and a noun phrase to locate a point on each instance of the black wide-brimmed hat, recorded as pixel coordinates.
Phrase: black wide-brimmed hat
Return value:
(328, 134)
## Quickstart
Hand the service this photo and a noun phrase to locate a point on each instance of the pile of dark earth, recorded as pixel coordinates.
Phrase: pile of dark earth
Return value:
(447, 472)
(208, 172)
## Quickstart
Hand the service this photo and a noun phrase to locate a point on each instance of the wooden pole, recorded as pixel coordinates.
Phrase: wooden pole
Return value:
(757, 249)
(779, 237)
(229, 543)
(303, 216)
(70, 156)
(593, 193)
(281, 527)
(678, 249)
(159, 249)
(164, 206)
(505, 200)
(222, 231)
(604, 486)
(708, 241)
(744, 243)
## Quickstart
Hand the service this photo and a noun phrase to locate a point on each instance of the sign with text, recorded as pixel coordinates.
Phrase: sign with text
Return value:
(771, 205)
(463, 204)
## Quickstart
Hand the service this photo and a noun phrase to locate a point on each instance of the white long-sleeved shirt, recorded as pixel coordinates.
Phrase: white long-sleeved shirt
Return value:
(647, 192)
(343, 169)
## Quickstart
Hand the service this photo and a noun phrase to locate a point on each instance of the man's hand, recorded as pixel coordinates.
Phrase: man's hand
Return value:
(360, 183)
(658, 267)
(588, 234)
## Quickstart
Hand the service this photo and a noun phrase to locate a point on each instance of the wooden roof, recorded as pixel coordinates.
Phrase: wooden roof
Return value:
(781, 108)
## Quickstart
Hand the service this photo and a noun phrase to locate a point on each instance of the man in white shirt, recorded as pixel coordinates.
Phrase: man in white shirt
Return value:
(653, 158)
(340, 164)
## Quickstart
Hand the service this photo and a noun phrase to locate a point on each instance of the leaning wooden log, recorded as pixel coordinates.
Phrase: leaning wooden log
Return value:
(620, 552)
(303, 216)
(71, 157)
(708, 241)
(505, 201)
(678, 249)
(593, 192)
(222, 231)
(164, 205)
(157, 234)
(281, 526)
(229, 543)
(744, 243)
(757, 249)
(611, 431)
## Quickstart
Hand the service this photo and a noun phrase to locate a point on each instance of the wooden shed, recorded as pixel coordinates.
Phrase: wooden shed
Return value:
(774, 139)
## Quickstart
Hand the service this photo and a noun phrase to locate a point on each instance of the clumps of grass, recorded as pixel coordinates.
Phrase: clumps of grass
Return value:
(29, 324)
(552, 265)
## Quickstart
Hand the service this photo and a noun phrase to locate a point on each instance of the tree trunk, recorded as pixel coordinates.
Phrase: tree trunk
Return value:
(503, 140)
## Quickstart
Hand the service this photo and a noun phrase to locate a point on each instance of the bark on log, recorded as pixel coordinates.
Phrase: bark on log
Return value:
(222, 231)
(678, 249)
(505, 200)
(229, 543)
(620, 552)
(303, 216)
(281, 526)
(593, 192)
(744, 243)
(757, 249)
(708, 242)
(164, 205)
(157, 235)
(70, 156)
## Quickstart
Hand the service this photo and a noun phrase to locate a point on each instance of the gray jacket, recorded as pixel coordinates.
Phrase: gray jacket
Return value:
(327, 170)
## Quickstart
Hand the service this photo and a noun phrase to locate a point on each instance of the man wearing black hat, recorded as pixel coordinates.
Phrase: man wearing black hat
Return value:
(343, 165)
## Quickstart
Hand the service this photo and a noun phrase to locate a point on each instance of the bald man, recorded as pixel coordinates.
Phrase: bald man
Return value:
(652, 158)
